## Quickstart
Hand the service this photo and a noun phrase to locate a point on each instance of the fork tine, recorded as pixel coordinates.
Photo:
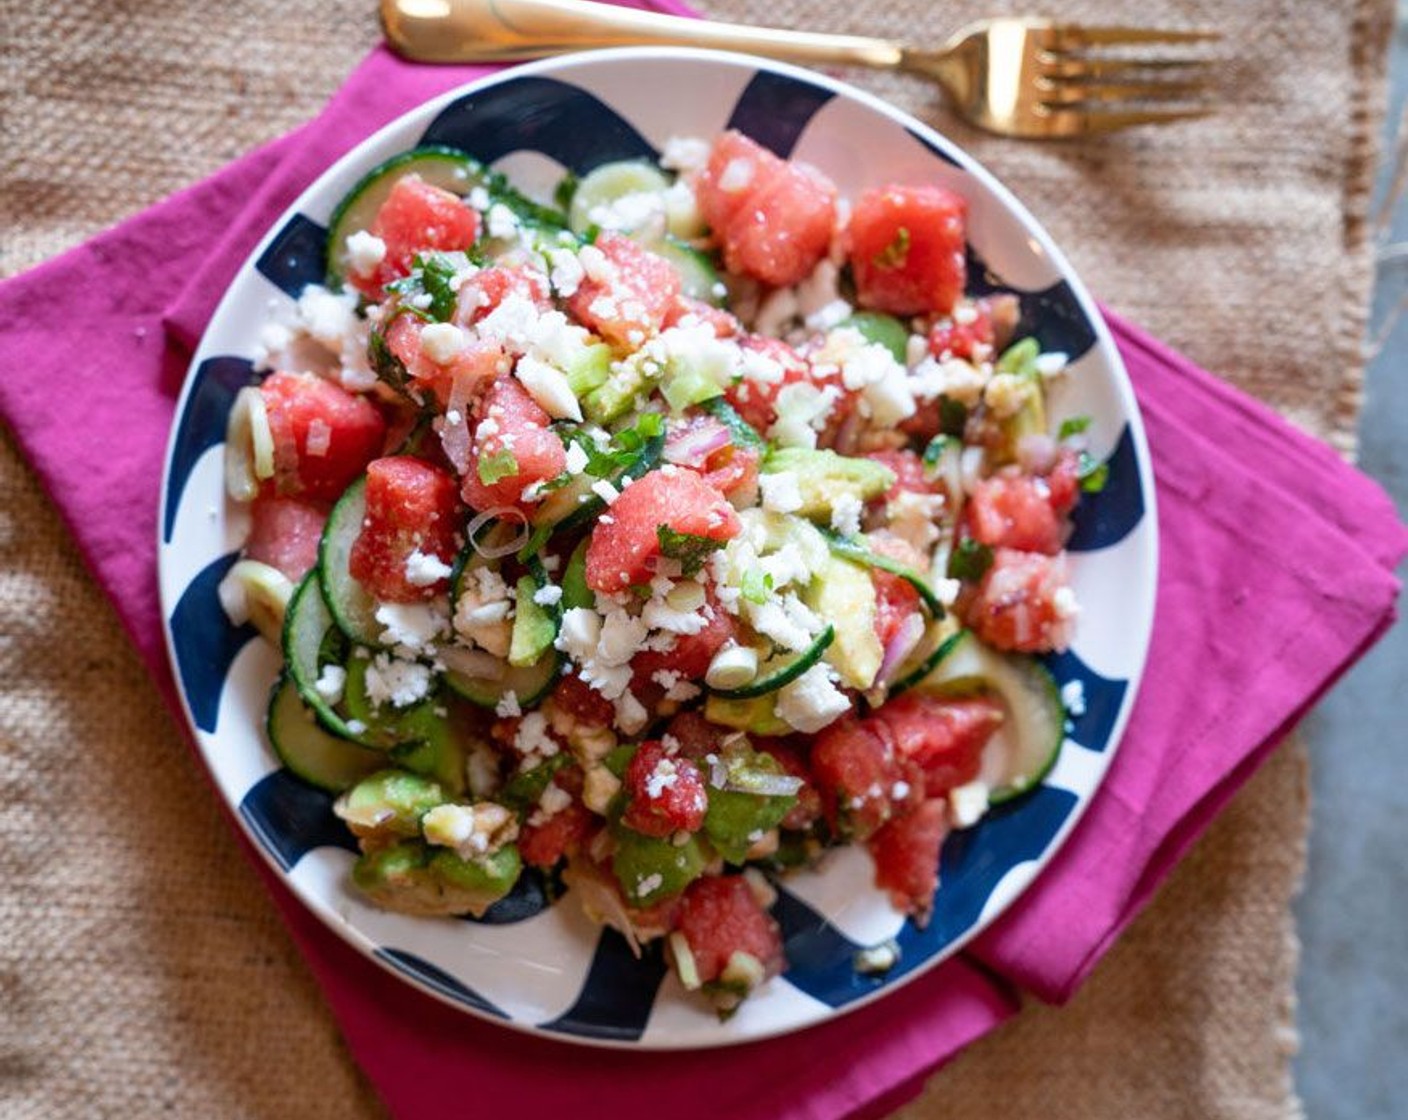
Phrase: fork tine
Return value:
(1074, 93)
(1073, 36)
(1060, 68)
(1095, 123)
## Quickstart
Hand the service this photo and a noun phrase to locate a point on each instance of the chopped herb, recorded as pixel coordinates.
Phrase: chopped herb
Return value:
(934, 452)
(555, 483)
(1093, 474)
(953, 417)
(970, 561)
(432, 275)
(1073, 427)
(690, 549)
(755, 586)
(590, 234)
(536, 541)
(497, 466)
(625, 447)
(562, 196)
(895, 253)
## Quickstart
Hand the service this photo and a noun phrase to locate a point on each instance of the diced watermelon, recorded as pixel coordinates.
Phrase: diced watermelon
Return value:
(861, 779)
(627, 298)
(721, 916)
(513, 447)
(323, 435)
(474, 368)
(284, 533)
(971, 339)
(579, 700)
(692, 736)
(1014, 510)
(416, 218)
(729, 469)
(690, 655)
(411, 507)
(906, 247)
(777, 365)
(773, 219)
(1018, 604)
(487, 289)
(665, 794)
(808, 809)
(896, 601)
(945, 737)
(626, 541)
(906, 853)
(544, 841)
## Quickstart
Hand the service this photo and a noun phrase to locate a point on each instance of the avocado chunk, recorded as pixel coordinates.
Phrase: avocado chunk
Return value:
(650, 870)
(1019, 359)
(824, 476)
(878, 328)
(756, 716)
(389, 803)
(843, 593)
(617, 395)
(409, 878)
(738, 816)
(476, 884)
(534, 627)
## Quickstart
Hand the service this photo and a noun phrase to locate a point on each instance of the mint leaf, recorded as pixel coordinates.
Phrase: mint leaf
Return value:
(895, 254)
(624, 449)
(969, 561)
(429, 291)
(1093, 474)
(1073, 427)
(497, 466)
(953, 417)
(934, 452)
(689, 549)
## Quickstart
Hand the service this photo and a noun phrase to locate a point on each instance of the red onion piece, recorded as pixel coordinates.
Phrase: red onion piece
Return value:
(1036, 453)
(500, 516)
(901, 644)
(694, 444)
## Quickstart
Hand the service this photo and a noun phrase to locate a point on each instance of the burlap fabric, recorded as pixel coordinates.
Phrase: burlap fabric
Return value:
(142, 969)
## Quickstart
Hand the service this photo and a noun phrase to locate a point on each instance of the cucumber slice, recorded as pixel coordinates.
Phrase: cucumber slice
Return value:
(781, 670)
(853, 549)
(757, 716)
(447, 168)
(1032, 699)
(929, 662)
(322, 759)
(575, 592)
(307, 622)
(529, 684)
(699, 279)
(564, 510)
(608, 184)
(352, 608)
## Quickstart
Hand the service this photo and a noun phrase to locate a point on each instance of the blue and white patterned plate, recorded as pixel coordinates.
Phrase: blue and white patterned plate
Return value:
(546, 968)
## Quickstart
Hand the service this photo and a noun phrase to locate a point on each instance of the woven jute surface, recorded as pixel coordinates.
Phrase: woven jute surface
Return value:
(142, 968)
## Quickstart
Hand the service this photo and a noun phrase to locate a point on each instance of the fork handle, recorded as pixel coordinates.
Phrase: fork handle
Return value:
(498, 30)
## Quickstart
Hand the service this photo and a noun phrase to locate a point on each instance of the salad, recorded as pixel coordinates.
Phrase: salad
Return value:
(655, 540)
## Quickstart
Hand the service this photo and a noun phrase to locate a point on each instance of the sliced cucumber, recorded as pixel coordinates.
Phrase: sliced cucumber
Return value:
(928, 662)
(854, 549)
(699, 279)
(781, 670)
(757, 716)
(307, 623)
(1033, 702)
(323, 759)
(529, 684)
(608, 184)
(575, 592)
(353, 609)
(447, 168)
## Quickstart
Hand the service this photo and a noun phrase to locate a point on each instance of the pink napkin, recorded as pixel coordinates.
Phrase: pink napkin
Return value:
(1276, 574)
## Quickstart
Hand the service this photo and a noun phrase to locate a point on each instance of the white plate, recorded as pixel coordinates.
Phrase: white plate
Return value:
(545, 968)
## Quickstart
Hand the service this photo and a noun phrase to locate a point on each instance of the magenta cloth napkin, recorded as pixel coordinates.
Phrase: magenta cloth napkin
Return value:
(1276, 574)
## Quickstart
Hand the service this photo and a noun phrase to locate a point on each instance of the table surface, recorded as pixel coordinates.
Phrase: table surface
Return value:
(1354, 909)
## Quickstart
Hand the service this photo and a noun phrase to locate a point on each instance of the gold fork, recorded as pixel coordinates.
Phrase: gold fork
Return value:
(1016, 77)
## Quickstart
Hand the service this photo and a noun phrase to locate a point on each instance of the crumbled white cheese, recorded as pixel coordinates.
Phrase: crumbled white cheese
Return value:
(364, 252)
(631, 715)
(953, 378)
(549, 595)
(605, 491)
(1073, 698)
(327, 317)
(442, 342)
(780, 492)
(566, 272)
(532, 739)
(333, 679)
(395, 681)
(501, 222)
(1052, 364)
(508, 706)
(577, 459)
(812, 701)
(967, 803)
(411, 627)
(1064, 603)
(737, 174)
(845, 514)
(1007, 394)
(425, 569)
(684, 153)
(548, 386)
